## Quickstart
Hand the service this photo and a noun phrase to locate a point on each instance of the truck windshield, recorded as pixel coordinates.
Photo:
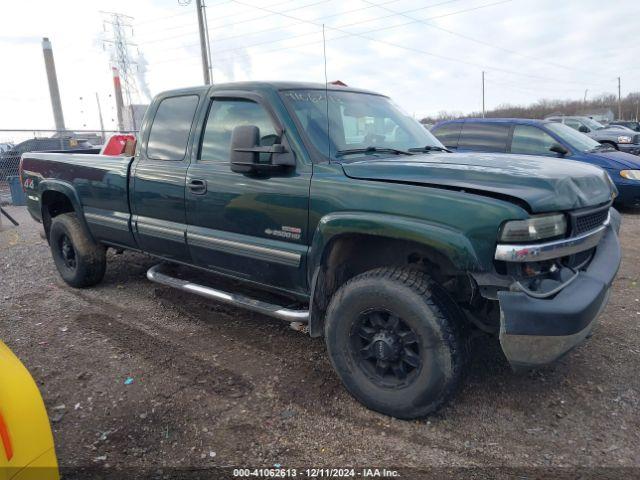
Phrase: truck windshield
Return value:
(360, 124)
(592, 124)
(577, 140)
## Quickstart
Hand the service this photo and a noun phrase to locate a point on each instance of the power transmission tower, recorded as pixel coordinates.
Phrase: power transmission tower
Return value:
(118, 30)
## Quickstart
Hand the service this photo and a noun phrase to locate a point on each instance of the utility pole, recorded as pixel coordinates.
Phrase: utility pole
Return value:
(203, 43)
(100, 115)
(483, 112)
(52, 78)
(585, 95)
(619, 101)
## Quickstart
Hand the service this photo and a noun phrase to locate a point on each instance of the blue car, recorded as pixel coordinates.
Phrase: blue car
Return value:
(543, 138)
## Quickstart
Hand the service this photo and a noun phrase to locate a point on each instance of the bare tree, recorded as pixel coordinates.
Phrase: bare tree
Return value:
(548, 106)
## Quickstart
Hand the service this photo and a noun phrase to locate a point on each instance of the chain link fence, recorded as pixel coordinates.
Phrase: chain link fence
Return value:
(13, 143)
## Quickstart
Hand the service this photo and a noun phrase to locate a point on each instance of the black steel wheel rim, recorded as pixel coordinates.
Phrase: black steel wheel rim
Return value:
(67, 252)
(386, 348)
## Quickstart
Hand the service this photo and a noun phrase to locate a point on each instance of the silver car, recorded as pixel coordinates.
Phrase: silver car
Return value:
(625, 141)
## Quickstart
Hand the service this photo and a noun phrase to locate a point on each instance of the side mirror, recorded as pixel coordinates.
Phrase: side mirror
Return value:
(583, 129)
(245, 152)
(559, 149)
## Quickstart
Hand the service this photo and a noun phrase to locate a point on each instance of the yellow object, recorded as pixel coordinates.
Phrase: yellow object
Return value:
(26, 442)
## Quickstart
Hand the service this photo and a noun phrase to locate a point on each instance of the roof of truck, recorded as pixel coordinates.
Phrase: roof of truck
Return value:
(274, 85)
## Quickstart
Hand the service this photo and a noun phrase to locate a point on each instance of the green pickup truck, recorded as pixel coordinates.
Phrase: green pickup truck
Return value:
(330, 207)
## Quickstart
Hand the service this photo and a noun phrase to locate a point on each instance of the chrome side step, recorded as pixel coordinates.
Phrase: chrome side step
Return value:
(265, 308)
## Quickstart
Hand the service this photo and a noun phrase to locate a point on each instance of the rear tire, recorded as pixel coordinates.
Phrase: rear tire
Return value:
(394, 338)
(80, 261)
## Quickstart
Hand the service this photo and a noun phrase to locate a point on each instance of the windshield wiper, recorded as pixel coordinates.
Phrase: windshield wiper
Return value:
(369, 150)
(430, 148)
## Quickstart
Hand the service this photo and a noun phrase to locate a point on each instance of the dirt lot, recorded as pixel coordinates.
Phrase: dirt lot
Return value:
(216, 386)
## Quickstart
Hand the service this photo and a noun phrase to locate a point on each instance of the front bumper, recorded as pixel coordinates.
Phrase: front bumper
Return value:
(536, 332)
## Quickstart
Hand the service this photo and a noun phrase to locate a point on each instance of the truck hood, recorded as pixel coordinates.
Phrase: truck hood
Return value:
(616, 159)
(544, 184)
(612, 134)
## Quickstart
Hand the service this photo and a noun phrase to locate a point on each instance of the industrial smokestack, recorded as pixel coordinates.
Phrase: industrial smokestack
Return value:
(117, 86)
(54, 92)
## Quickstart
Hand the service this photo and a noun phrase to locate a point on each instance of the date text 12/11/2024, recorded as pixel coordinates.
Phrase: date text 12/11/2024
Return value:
(279, 472)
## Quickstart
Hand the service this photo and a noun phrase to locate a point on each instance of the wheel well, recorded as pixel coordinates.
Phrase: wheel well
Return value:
(53, 204)
(353, 254)
(609, 142)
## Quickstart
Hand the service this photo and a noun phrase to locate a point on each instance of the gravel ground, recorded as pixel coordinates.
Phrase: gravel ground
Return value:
(216, 386)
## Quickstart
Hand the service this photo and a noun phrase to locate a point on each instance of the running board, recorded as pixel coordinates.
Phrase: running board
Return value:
(265, 308)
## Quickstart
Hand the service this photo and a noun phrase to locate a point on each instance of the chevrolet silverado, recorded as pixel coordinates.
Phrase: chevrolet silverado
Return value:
(331, 207)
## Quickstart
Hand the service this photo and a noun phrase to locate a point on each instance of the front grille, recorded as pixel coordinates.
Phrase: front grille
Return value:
(589, 221)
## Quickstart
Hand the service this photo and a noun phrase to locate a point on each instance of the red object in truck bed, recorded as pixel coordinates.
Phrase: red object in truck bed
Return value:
(117, 144)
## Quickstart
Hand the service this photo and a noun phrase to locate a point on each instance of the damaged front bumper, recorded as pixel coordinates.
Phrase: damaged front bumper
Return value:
(538, 331)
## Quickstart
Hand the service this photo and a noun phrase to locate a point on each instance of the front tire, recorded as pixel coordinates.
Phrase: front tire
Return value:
(393, 337)
(80, 261)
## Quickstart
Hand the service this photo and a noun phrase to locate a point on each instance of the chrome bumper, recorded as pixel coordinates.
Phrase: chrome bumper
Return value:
(538, 252)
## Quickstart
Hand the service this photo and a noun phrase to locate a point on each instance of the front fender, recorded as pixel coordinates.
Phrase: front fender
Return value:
(449, 242)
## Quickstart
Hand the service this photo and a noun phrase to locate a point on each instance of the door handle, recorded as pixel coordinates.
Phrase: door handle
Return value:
(197, 186)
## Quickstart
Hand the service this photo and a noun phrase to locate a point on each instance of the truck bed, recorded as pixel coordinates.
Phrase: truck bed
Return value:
(98, 183)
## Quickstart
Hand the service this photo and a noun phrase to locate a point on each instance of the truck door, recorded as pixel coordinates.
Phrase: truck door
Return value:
(250, 226)
(157, 202)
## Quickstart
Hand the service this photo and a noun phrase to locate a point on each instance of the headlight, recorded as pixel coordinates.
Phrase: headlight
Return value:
(624, 139)
(534, 228)
(630, 174)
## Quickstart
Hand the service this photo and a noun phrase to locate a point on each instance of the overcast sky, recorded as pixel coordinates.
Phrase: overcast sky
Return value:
(427, 55)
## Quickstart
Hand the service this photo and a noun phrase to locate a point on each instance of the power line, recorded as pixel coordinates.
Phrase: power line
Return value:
(347, 33)
(362, 35)
(226, 25)
(480, 42)
(218, 40)
(360, 22)
(174, 15)
(158, 19)
(442, 57)
(324, 17)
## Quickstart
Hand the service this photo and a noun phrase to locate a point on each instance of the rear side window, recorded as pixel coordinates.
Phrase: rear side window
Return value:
(531, 141)
(170, 128)
(484, 137)
(448, 134)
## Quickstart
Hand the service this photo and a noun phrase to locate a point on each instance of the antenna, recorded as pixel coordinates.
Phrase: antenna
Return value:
(326, 88)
